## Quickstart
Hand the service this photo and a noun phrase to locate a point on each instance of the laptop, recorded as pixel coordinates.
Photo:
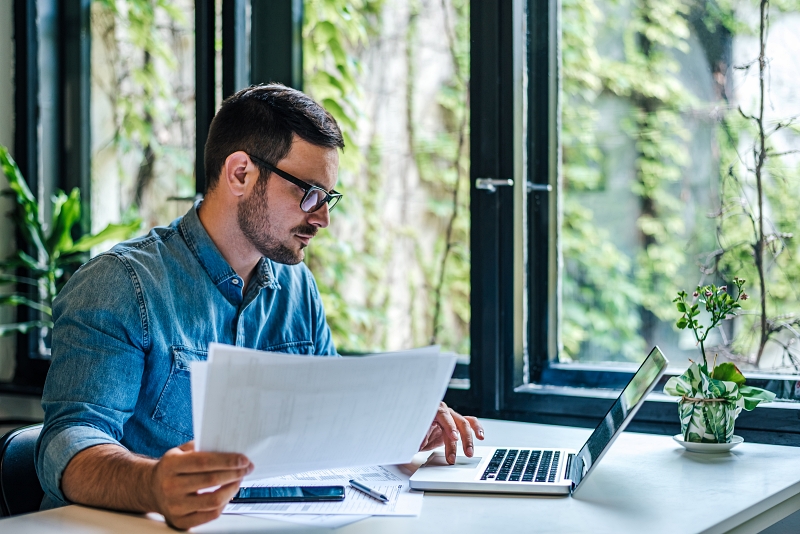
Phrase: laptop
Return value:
(534, 470)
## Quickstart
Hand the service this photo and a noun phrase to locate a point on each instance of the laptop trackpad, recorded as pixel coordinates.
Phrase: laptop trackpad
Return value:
(462, 462)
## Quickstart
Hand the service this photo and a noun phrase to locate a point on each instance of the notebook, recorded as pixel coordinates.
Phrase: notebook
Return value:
(530, 469)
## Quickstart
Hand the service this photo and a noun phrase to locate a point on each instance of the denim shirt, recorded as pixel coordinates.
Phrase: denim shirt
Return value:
(131, 320)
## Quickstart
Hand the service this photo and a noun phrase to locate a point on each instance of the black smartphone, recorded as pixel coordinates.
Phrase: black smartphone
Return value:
(289, 494)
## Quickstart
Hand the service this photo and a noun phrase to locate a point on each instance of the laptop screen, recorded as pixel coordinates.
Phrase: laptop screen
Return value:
(618, 417)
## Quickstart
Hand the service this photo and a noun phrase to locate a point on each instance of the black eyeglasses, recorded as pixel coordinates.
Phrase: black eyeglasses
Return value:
(315, 196)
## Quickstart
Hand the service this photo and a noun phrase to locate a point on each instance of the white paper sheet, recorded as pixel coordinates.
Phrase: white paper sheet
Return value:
(389, 480)
(321, 521)
(198, 373)
(290, 414)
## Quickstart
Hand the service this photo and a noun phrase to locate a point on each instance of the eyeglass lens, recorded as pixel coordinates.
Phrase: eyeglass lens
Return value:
(314, 199)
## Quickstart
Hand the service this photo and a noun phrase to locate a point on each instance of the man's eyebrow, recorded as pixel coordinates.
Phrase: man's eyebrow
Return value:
(316, 183)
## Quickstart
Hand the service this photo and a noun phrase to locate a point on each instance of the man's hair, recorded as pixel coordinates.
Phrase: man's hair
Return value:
(261, 121)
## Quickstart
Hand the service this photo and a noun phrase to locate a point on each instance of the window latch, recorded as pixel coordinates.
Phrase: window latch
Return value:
(491, 184)
(539, 187)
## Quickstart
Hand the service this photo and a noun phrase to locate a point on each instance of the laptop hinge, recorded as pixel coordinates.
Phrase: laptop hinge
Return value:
(567, 471)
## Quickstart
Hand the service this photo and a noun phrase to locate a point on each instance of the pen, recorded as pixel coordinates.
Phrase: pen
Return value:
(371, 492)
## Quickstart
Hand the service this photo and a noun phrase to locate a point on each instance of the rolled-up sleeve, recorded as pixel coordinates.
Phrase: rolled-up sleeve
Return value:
(98, 349)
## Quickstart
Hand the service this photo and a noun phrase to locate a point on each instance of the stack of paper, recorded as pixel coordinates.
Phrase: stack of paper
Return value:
(389, 480)
(291, 414)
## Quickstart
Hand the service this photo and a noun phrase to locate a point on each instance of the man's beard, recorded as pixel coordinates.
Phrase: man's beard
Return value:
(253, 217)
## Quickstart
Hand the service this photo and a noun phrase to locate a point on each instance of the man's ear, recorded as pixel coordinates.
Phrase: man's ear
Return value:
(239, 174)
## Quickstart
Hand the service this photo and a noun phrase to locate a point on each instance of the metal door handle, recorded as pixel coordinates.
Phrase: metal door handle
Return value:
(491, 184)
(539, 187)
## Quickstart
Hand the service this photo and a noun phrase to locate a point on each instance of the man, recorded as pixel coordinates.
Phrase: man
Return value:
(118, 427)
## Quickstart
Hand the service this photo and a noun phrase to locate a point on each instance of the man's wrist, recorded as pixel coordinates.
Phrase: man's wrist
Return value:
(147, 486)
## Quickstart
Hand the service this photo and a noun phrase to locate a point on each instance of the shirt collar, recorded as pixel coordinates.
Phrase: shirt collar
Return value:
(209, 256)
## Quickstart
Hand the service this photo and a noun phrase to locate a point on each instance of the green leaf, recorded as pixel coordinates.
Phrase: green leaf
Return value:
(754, 396)
(27, 209)
(19, 300)
(14, 279)
(112, 232)
(681, 307)
(682, 323)
(66, 213)
(729, 373)
(22, 328)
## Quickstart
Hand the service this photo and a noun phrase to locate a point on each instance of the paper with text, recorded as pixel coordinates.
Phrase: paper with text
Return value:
(291, 414)
(389, 480)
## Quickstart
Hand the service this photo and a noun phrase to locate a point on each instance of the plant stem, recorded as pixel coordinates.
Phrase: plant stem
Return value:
(761, 156)
(448, 239)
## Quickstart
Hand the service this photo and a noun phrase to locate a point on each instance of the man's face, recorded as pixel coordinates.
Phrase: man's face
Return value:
(270, 216)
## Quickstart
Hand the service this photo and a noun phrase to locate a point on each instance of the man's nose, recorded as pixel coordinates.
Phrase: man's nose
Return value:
(320, 218)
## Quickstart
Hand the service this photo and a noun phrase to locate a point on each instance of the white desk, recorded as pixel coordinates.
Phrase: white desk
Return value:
(645, 483)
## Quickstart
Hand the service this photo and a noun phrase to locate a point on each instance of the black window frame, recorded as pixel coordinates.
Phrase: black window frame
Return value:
(52, 139)
(513, 135)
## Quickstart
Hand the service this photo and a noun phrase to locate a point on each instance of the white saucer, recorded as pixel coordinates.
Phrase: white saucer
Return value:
(708, 447)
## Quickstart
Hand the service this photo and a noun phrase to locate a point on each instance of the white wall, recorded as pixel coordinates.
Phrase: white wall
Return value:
(6, 138)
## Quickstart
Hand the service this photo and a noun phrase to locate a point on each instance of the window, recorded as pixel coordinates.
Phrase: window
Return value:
(526, 183)
(638, 130)
(142, 111)
(394, 266)
(675, 159)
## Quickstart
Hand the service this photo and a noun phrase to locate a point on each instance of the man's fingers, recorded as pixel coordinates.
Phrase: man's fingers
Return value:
(201, 462)
(185, 511)
(449, 432)
(186, 447)
(193, 519)
(192, 482)
(466, 433)
(476, 426)
(433, 439)
(205, 502)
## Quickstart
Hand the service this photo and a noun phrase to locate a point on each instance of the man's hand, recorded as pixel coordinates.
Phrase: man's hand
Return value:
(110, 476)
(446, 428)
(182, 472)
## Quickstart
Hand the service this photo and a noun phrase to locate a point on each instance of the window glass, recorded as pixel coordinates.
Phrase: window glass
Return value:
(394, 265)
(668, 184)
(142, 111)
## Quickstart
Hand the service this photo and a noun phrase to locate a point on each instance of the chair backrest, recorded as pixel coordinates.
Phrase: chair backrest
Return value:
(20, 491)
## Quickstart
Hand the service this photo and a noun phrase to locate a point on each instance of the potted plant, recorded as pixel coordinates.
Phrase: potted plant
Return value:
(711, 397)
(52, 254)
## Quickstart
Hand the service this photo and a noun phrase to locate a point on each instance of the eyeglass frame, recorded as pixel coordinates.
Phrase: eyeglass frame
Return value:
(331, 198)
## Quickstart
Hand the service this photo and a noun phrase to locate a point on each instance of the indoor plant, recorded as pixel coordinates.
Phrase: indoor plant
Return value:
(51, 253)
(711, 397)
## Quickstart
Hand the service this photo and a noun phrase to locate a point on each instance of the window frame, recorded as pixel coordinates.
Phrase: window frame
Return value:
(514, 134)
(52, 139)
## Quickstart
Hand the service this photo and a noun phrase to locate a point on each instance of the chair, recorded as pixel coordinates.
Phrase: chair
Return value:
(20, 491)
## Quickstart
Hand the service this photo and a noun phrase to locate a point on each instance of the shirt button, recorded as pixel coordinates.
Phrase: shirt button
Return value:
(235, 281)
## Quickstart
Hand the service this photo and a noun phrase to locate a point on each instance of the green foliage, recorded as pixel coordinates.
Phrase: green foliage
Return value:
(647, 78)
(718, 304)
(439, 283)
(54, 253)
(330, 72)
(758, 219)
(141, 39)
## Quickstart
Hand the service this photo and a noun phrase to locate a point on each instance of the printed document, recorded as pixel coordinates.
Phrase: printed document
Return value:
(291, 414)
(389, 480)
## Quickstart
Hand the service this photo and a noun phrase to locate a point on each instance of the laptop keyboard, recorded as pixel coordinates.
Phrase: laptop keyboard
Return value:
(517, 465)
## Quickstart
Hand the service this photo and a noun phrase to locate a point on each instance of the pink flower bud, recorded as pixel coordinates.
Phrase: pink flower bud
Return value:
(744, 296)
(723, 288)
(709, 293)
(695, 294)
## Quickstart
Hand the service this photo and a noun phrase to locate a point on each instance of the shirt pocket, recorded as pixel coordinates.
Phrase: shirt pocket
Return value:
(292, 347)
(174, 408)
